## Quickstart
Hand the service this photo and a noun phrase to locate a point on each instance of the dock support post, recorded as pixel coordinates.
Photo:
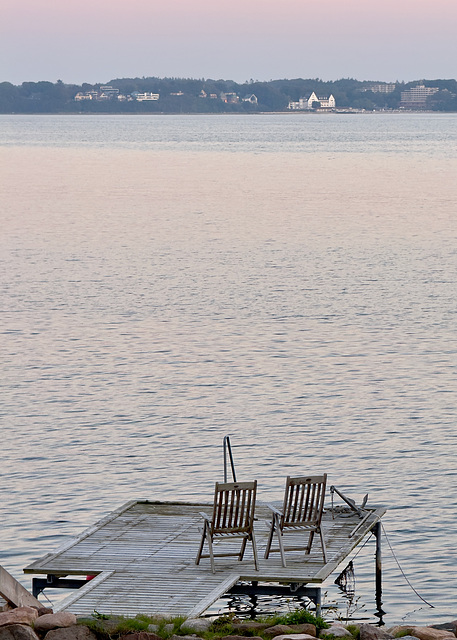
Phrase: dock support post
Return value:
(54, 582)
(318, 602)
(378, 579)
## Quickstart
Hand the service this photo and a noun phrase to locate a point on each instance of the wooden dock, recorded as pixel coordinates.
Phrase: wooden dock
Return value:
(143, 558)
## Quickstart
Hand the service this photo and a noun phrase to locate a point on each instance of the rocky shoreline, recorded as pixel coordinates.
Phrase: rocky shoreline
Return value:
(29, 623)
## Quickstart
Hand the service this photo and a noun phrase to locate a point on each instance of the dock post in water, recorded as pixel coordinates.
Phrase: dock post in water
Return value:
(378, 581)
(318, 602)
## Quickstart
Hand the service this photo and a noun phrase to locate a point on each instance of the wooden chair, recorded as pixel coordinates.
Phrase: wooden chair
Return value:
(302, 511)
(233, 517)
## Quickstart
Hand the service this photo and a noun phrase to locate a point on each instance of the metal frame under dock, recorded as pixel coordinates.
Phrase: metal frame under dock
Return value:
(142, 557)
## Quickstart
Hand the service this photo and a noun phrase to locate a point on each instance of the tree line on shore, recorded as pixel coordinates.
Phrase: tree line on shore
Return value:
(187, 95)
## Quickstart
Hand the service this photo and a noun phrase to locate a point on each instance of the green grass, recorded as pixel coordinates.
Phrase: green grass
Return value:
(354, 630)
(112, 627)
(301, 616)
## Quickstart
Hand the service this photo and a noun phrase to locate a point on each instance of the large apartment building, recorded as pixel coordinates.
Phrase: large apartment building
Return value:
(416, 97)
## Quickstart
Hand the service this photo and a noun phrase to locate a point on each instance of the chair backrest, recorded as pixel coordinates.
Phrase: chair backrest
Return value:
(234, 505)
(304, 500)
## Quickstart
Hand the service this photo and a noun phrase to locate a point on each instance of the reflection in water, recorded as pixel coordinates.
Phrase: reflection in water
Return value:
(346, 580)
(254, 606)
(353, 608)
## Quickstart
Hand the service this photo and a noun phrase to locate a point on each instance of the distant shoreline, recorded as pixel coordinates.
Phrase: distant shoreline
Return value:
(205, 96)
(257, 113)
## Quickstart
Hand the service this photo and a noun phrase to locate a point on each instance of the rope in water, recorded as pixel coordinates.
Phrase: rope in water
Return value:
(396, 560)
(403, 573)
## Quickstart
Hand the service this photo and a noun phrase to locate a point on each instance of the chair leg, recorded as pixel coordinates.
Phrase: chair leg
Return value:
(206, 534)
(200, 550)
(280, 536)
(254, 550)
(243, 549)
(324, 549)
(270, 538)
(211, 554)
(310, 542)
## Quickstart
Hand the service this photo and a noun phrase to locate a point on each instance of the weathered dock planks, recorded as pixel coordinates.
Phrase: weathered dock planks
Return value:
(143, 557)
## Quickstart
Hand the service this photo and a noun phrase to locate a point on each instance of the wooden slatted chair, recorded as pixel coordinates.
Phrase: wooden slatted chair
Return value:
(302, 511)
(233, 517)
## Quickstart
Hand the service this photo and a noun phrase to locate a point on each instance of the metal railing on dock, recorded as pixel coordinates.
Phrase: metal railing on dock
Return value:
(228, 451)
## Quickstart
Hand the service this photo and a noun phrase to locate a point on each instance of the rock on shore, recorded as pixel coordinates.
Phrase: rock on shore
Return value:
(27, 623)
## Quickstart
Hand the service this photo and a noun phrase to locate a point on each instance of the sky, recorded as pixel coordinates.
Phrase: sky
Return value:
(94, 41)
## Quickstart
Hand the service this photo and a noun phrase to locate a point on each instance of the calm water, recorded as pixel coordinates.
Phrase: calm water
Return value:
(286, 279)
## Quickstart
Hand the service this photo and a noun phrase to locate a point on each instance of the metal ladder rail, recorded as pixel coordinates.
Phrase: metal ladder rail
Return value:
(228, 450)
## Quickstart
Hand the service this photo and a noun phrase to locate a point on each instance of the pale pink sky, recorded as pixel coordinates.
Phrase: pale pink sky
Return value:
(97, 40)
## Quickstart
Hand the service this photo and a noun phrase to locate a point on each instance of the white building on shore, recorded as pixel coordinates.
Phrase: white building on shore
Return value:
(307, 104)
(142, 97)
(382, 87)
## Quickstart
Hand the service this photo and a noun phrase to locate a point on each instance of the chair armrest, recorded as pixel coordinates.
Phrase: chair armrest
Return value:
(205, 516)
(274, 509)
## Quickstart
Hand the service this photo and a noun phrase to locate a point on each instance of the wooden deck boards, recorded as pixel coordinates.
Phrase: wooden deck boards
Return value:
(143, 555)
